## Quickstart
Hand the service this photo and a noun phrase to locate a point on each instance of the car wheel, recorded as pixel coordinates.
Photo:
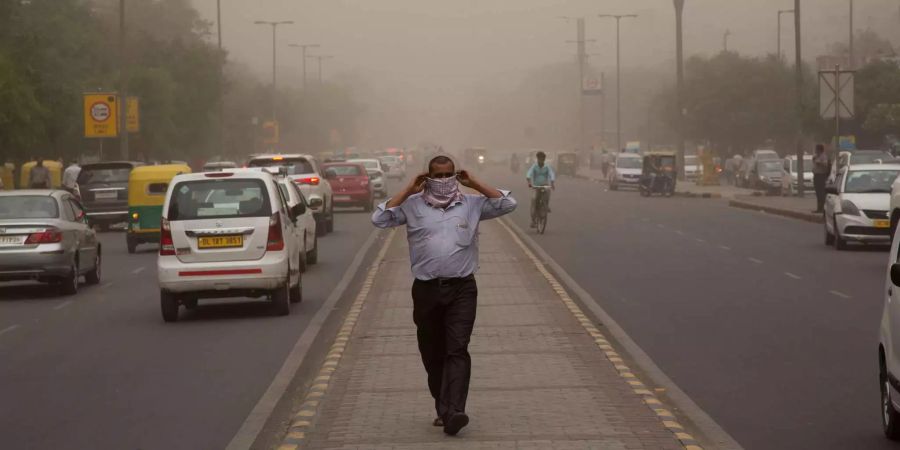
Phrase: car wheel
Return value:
(302, 257)
(321, 225)
(169, 306)
(296, 293)
(890, 418)
(329, 224)
(281, 304)
(68, 285)
(839, 242)
(190, 304)
(131, 244)
(829, 238)
(312, 256)
(93, 277)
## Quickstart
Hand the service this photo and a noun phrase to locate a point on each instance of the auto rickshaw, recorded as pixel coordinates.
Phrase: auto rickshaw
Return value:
(566, 163)
(55, 168)
(7, 175)
(658, 174)
(147, 186)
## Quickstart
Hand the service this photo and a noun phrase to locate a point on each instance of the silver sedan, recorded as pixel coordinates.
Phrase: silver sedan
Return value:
(44, 236)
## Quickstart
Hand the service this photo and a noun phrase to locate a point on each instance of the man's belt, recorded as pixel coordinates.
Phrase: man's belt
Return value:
(447, 281)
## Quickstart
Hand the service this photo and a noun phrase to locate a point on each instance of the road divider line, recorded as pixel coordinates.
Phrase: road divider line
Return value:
(106, 285)
(840, 294)
(138, 270)
(702, 241)
(63, 304)
(791, 275)
(725, 247)
(8, 329)
(755, 261)
(679, 232)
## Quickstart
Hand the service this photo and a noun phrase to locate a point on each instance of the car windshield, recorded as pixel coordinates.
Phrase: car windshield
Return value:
(628, 163)
(869, 157)
(770, 166)
(345, 170)
(104, 174)
(28, 207)
(295, 166)
(870, 181)
(220, 198)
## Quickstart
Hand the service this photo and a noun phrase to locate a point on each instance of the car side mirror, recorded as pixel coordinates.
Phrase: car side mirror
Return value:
(895, 274)
(315, 202)
(832, 189)
(298, 210)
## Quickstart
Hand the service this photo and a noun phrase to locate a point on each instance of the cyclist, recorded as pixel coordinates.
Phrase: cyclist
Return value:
(540, 175)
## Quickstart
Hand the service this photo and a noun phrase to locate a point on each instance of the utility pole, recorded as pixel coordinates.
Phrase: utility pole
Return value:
(852, 59)
(725, 40)
(123, 87)
(581, 58)
(798, 63)
(618, 18)
(320, 58)
(780, 12)
(679, 88)
(303, 48)
(274, 26)
(221, 143)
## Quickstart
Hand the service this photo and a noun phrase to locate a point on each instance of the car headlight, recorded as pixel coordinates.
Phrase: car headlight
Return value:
(848, 208)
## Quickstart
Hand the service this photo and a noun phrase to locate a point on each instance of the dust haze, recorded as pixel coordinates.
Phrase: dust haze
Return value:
(499, 72)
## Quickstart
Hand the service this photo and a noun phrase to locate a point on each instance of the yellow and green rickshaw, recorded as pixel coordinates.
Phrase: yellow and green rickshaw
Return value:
(147, 186)
(7, 174)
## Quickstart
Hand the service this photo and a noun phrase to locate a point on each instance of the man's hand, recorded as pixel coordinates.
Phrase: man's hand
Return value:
(466, 180)
(414, 187)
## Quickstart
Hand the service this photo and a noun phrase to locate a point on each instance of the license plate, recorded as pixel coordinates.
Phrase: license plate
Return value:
(220, 241)
(106, 195)
(12, 240)
(882, 224)
(341, 198)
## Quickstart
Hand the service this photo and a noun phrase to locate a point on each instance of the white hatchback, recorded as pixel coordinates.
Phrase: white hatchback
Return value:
(227, 234)
(856, 206)
(305, 224)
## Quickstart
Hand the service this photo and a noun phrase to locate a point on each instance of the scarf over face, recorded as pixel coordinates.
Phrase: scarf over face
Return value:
(442, 192)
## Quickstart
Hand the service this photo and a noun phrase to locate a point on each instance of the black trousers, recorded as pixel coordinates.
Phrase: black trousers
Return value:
(819, 180)
(444, 313)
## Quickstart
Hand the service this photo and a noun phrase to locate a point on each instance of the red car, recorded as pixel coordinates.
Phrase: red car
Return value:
(350, 185)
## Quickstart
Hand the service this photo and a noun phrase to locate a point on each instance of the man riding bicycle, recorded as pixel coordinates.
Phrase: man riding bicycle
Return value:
(540, 175)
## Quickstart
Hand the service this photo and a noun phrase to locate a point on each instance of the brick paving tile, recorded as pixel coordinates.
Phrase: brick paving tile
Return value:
(538, 380)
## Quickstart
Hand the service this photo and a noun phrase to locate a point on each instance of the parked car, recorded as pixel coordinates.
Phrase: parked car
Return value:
(376, 175)
(104, 191)
(790, 177)
(626, 171)
(228, 234)
(854, 157)
(45, 236)
(305, 224)
(746, 178)
(307, 172)
(394, 166)
(766, 175)
(857, 204)
(692, 167)
(351, 185)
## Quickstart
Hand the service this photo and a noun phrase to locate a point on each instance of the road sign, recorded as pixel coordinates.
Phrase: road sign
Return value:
(133, 115)
(101, 115)
(591, 85)
(271, 127)
(836, 89)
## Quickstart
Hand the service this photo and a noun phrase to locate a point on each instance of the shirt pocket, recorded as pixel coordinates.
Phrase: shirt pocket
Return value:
(464, 232)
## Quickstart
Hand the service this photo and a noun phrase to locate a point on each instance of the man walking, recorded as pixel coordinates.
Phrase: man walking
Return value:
(820, 169)
(442, 229)
(39, 177)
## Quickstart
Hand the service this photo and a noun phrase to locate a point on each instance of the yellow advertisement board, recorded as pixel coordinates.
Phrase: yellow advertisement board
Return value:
(101, 115)
(133, 115)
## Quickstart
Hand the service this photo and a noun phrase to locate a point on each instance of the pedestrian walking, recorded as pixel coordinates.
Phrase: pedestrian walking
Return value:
(70, 177)
(39, 177)
(442, 230)
(820, 169)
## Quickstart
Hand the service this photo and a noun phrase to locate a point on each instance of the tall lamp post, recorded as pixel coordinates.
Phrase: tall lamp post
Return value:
(618, 18)
(274, 25)
(580, 41)
(798, 75)
(123, 87)
(679, 88)
(303, 48)
(320, 58)
(852, 53)
(780, 12)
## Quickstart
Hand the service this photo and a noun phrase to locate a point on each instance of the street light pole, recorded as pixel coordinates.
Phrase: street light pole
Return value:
(221, 136)
(679, 88)
(123, 88)
(798, 63)
(580, 41)
(725, 40)
(618, 18)
(303, 48)
(274, 26)
(780, 12)
(320, 58)
(852, 50)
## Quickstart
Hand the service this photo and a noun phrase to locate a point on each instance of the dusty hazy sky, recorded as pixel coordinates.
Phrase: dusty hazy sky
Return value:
(434, 50)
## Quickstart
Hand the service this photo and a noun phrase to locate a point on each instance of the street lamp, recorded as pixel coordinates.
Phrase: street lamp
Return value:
(780, 12)
(303, 48)
(274, 25)
(679, 88)
(320, 58)
(725, 40)
(618, 18)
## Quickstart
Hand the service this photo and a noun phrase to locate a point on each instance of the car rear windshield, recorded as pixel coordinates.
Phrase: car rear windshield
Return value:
(770, 166)
(106, 173)
(295, 166)
(628, 163)
(345, 170)
(28, 207)
(220, 198)
(870, 181)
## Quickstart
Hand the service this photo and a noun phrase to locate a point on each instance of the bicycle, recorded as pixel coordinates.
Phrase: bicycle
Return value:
(541, 208)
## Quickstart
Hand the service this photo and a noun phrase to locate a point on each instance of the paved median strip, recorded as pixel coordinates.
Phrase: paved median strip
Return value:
(668, 420)
(304, 419)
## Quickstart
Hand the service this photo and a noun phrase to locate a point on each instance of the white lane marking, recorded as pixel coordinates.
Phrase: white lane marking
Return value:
(8, 329)
(839, 294)
(702, 241)
(679, 232)
(106, 285)
(660, 225)
(63, 304)
(725, 247)
(138, 270)
(791, 275)
(754, 260)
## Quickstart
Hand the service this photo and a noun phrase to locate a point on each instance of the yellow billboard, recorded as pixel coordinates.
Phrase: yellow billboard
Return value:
(101, 114)
(132, 115)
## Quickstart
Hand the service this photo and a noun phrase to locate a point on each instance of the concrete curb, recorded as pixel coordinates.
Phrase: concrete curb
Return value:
(799, 215)
(713, 435)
